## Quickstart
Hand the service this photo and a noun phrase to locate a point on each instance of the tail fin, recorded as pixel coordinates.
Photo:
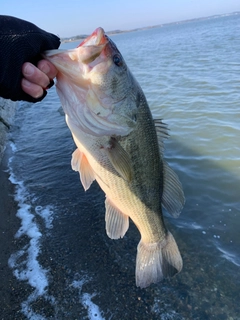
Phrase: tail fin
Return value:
(156, 261)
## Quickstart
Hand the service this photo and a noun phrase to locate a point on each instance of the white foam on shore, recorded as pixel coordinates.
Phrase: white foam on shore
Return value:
(93, 310)
(46, 213)
(94, 313)
(27, 268)
(24, 262)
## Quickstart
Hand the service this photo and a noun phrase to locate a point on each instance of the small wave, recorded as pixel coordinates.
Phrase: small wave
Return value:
(191, 225)
(230, 256)
(46, 213)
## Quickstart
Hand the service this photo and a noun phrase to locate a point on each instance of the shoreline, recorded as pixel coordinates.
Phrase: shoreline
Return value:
(9, 288)
(7, 113)
(116, 32)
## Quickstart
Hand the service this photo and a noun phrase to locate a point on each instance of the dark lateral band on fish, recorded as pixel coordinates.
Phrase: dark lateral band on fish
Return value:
(121, 147)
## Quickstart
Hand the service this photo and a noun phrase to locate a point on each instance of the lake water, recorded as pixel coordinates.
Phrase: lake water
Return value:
(190, 74)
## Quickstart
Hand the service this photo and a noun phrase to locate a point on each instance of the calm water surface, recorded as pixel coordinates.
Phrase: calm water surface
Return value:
(190, 74)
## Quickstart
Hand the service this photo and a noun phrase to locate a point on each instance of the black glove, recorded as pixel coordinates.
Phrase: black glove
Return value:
(20, 41)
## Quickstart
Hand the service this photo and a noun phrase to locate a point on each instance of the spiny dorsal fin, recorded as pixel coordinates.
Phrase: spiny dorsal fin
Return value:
(173, 197)
(120, 159)
(117, 223)
(162, 133)
(80, 163)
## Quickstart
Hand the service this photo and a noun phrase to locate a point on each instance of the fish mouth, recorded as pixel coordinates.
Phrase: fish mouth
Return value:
(98, 37)
(95, 43)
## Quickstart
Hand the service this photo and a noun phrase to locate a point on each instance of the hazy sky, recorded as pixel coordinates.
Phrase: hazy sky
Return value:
(68, 18)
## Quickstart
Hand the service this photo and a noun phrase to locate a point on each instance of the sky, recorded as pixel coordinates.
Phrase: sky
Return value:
(68, 18)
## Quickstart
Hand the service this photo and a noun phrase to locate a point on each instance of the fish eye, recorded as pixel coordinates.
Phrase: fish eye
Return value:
(117, 60)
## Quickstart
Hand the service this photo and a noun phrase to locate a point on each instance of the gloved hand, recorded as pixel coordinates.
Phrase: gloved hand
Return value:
(20, 41)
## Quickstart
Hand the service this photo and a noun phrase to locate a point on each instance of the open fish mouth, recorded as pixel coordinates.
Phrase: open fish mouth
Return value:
(88, 50)
(95, 44)
(97, 38)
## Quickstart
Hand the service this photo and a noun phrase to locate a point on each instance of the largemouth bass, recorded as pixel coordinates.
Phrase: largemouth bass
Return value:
(121, 147)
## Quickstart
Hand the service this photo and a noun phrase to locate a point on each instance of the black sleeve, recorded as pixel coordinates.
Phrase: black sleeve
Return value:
(20, 41)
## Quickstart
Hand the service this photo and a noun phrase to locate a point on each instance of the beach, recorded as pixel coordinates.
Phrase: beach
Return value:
(9, 289)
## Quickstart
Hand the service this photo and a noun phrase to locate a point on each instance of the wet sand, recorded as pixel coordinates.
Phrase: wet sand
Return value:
(11, 290)
(9, 223)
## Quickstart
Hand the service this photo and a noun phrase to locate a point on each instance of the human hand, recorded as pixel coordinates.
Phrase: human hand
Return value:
(22, 42)
(37, 79)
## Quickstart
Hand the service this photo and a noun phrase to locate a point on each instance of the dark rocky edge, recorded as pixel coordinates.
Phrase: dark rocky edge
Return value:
(7, 112)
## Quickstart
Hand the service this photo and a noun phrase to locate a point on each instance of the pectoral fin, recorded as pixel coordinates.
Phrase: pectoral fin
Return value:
(173, 197)
(80, 163)
(120, 160)
(117, 223)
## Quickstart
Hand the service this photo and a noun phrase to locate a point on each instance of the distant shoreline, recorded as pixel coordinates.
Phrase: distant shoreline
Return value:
(114, 32)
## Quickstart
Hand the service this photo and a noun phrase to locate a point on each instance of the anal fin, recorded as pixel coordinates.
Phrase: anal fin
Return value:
(80, 163)
(117, 223)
